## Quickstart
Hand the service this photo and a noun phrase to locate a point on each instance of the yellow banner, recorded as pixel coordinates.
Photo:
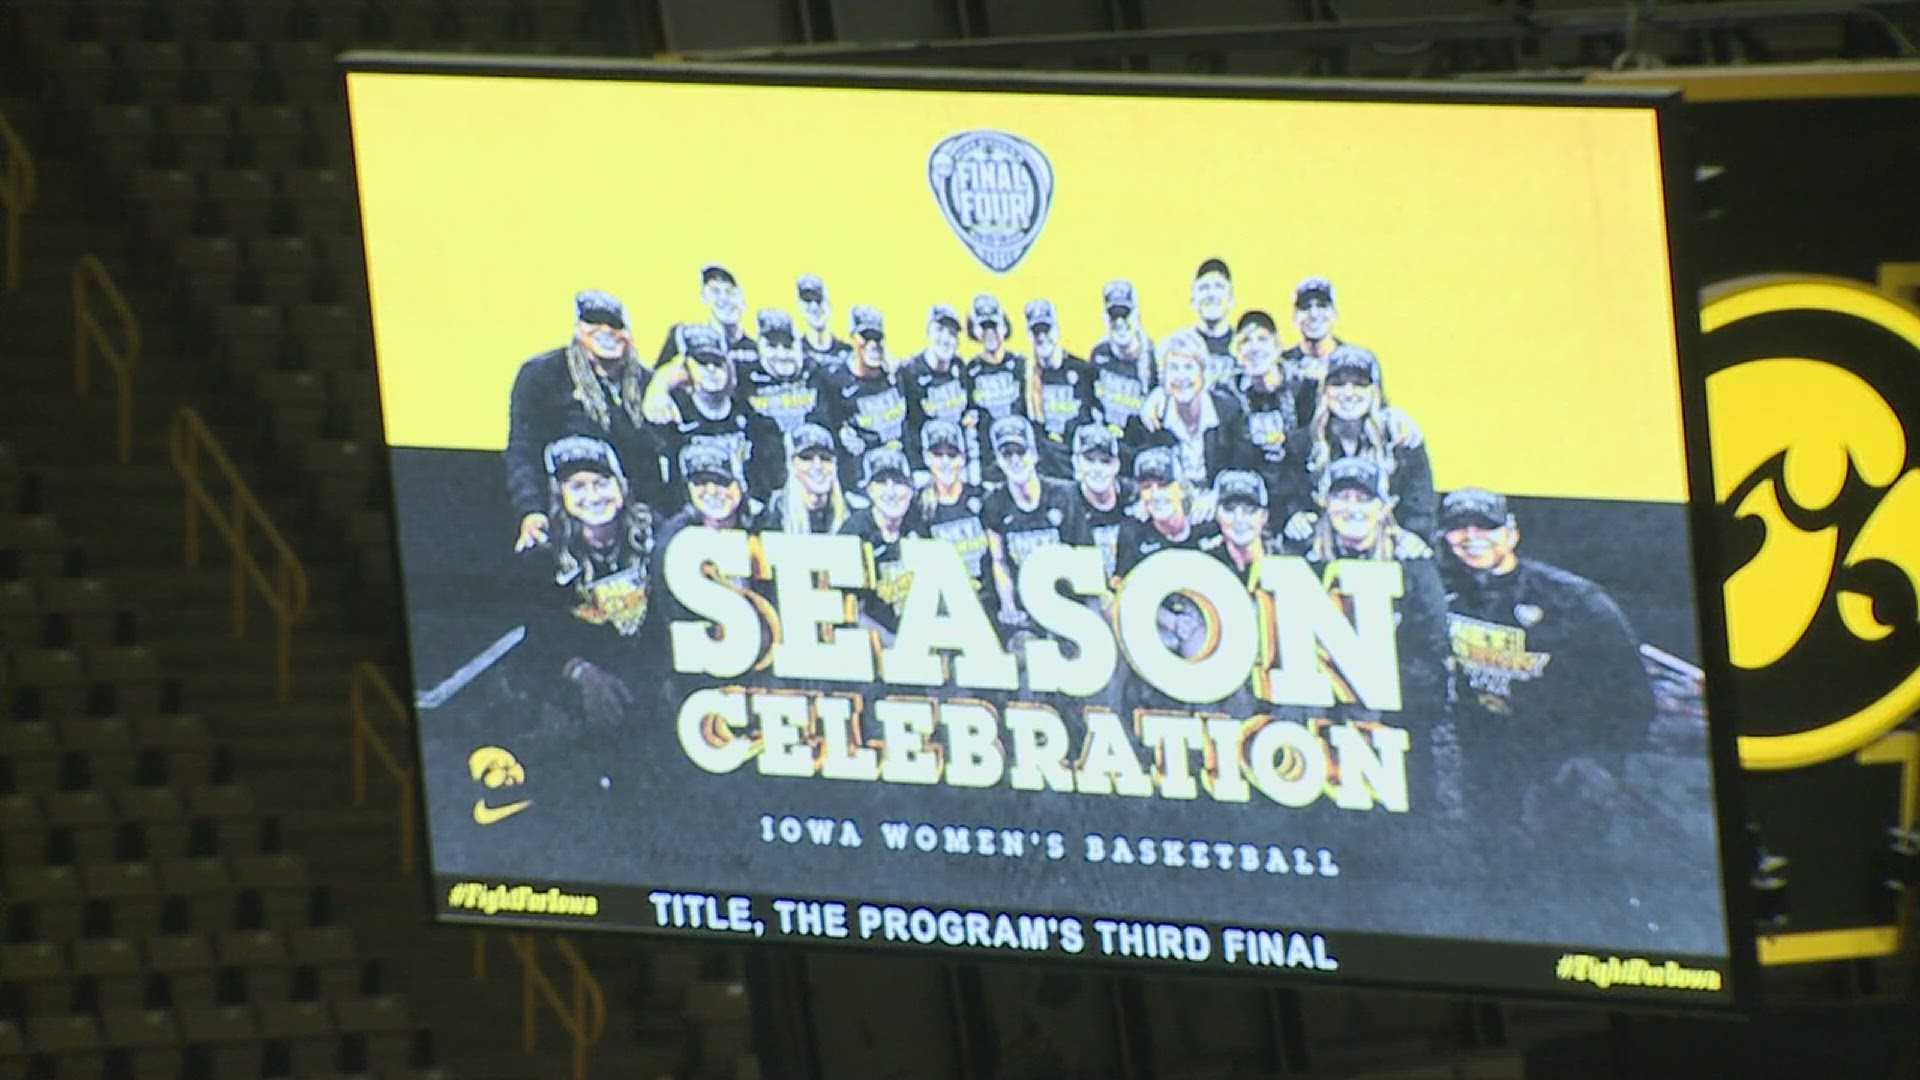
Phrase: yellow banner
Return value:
(1506, 263)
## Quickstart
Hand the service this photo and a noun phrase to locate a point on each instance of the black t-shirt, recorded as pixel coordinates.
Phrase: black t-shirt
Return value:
(667, 607)
(787, 400)
(939, 394)
(1103, 526)
(884, 602)
(593, 606)
(874, 408)
(832, 358)
(1273, 412)
(752, 441)
(997, 390)
(934, 393)
(1066, 397)
(1066, 402)
(1055, 518)
(1118, 388)
(1139, 539)
(1221, 363)
(959, 523)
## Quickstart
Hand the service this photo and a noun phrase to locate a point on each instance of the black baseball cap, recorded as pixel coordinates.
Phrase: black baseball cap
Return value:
(938, 432)
(1258, 318)
(703, 342)
(1119, 298)
(1354, 472)
(1012, 429)
(775, 324)
(945, 316)
(866, 321)
(1240, 486)
(810, 288)
(577, 453)
(1313, 288)
(1474, 506)
(716, 272)
(1088, 438)
(986, 309)
(706, 460)
(1155, 466)
(599, 308)
(809, 439)
(1040, 313)
(1215, 265)
(1347, 364)
(885, 461)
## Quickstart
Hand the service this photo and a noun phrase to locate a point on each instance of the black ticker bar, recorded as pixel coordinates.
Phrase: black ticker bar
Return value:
(1293, 955)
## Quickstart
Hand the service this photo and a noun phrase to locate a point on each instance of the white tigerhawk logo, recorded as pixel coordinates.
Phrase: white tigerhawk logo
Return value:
(994, 189)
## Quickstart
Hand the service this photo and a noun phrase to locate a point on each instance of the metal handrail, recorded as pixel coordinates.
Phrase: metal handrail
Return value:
(19, 189)
(89, 275)
(584, 1017)
(365, 735)
(285, 592)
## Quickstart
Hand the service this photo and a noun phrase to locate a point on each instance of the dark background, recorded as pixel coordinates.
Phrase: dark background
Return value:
(635, 810)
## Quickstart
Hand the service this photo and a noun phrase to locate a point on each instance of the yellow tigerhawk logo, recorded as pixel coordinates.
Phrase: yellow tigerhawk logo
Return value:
(1811, 452)
(496, 768)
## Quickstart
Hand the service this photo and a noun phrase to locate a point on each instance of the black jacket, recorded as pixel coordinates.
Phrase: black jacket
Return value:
(1223, 446)
(598, 609)
(543, 408)
(1548, 668)
(1411, 483)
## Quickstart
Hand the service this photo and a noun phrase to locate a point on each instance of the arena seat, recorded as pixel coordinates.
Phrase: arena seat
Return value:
(155, 70)
(113, 970)
(323, 202)
(223, 1041)
(283, 268)
(231, 69)
(23, 829)
(33, 546)
(296, 401)
(209, 269)
(19, 490)
(125, 136)
(89, 613)
(300, 1038)
(40, 975)
(71, 1042)
(87, 72)
(271, 137)
(245, 201)
(379, 1033)
(23, 622)
(185, 750)
(146, 1040)
(199, 134)
(341, 470)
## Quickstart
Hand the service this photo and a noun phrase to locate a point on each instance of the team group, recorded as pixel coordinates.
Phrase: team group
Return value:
(1218, 438)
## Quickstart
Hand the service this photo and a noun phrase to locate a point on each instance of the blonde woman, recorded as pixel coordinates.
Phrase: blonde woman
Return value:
(1351, 420)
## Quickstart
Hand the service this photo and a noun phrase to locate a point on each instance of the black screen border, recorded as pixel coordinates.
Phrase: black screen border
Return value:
(1668, 109)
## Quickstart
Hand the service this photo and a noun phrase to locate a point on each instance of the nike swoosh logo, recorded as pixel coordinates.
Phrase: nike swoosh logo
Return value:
(487, 815)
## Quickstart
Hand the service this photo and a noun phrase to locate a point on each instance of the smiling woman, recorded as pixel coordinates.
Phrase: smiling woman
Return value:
(597, 556)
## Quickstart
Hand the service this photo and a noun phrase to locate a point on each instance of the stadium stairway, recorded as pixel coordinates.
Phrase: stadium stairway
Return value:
(293, 755)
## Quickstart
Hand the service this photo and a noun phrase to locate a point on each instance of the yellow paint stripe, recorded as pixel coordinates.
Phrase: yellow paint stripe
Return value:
(1777, 82)
(1816, 946)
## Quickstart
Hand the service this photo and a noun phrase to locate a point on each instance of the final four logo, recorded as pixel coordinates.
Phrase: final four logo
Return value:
(994, 189)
